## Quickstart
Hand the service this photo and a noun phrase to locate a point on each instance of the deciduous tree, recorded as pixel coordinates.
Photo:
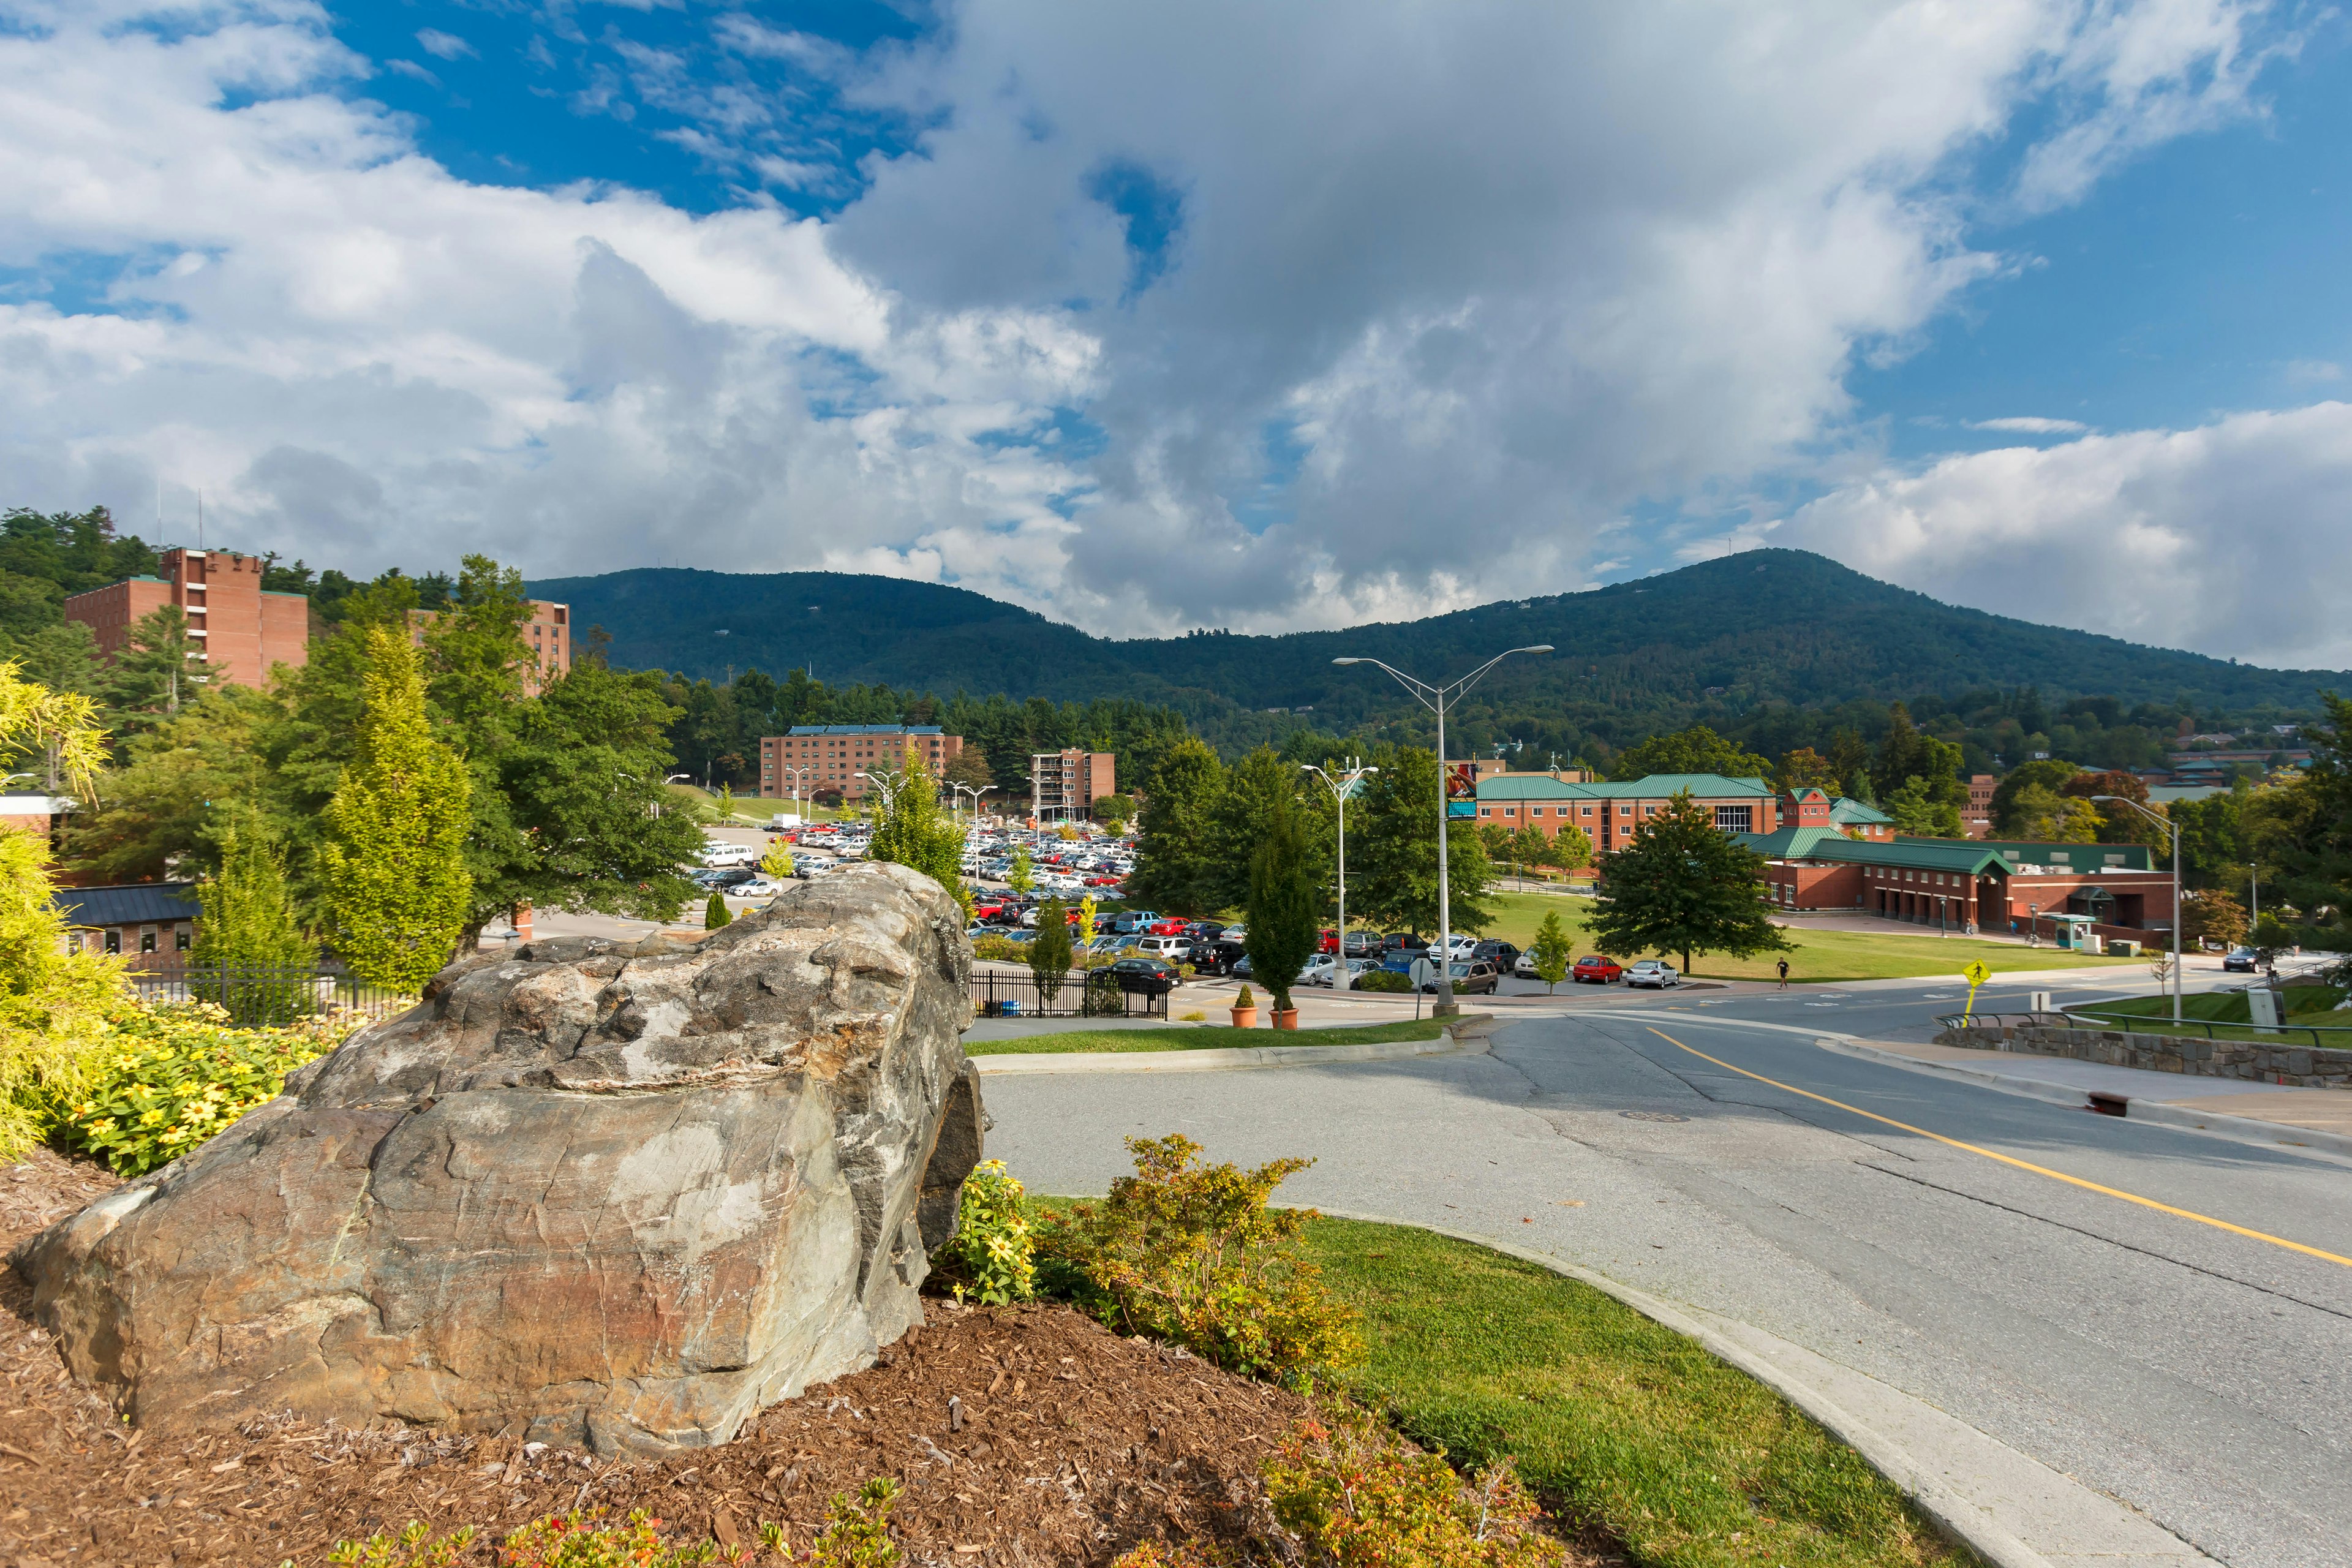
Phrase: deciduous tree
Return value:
(1050, 955)
(1681, 885)
(1393, 851)
(911, 829)
(1698, 750)
(1175, 847)
(1551, 951)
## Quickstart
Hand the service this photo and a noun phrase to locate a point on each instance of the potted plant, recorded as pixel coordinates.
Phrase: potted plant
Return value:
(1285, 903)
(1246, 1010)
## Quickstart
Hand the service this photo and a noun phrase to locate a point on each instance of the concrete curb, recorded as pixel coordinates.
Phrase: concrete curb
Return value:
(1963, 1521)
(1458, 1041)
(2155, 1114)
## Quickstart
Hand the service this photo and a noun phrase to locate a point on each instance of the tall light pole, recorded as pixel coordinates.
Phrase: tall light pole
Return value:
(1436, 699)
(797, 773)
(2174, 827)
(2255, 895)
(1351, 774)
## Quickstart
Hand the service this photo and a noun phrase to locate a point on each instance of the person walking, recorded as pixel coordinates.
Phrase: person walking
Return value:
(1784, 974)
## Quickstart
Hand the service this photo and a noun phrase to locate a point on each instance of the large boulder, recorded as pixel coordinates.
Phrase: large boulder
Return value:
(601, 1194)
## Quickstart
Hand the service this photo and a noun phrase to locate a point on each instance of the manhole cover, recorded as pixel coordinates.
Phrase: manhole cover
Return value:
(1652, 1116)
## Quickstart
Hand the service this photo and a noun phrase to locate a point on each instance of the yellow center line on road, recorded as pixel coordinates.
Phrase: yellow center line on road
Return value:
(2012, 1160)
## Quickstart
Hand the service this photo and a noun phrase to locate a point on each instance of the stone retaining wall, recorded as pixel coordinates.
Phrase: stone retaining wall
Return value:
(2305, 1067)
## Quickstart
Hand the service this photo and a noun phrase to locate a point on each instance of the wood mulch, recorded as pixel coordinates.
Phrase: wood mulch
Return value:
(1027, 1435)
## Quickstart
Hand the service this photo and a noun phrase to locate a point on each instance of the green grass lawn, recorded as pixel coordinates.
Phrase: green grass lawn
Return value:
(1614, 1419)
(1203, 1038)
(1819, 955)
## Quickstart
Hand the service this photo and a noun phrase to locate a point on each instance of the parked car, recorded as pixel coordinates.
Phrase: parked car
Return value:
(1319, 970)
(1130, 920)
(1173, 949)
(2240, 960)
(1205, 931)
(1218, 957)
(1595, 969)
(1402, 942)
(1652, 972)
(1327, 941)
(759, 887)
(1503, 955)
(1363, 943)
(1468, 975)
(1143, 977)
(1357, 968)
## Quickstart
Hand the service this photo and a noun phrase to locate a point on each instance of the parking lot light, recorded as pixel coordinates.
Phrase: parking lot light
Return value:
(1436, 699)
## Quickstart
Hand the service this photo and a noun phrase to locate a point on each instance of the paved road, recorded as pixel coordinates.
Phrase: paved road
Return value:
(2202, 1375)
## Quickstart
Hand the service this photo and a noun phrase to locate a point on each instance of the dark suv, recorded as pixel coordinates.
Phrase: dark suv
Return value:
(1501, 954)
(1217, 957)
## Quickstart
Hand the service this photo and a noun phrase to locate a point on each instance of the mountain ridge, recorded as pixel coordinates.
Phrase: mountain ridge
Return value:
(1812, 632)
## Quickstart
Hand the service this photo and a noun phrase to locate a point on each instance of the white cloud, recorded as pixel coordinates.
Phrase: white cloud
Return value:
(444, 45)
(2228, 539)
(1454, 285)
(2030, 425)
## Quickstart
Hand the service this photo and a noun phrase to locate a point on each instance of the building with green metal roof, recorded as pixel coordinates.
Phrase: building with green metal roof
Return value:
(1967, 885)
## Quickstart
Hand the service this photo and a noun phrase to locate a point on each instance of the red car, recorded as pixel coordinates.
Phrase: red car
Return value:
(1173, 926)
(1329, 942)
(1597, 970)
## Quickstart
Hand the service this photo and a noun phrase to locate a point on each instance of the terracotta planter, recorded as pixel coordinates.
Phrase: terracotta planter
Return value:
(1245, 1018)
(1286, 1018)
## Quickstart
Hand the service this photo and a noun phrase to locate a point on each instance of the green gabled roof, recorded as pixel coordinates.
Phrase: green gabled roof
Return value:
(1959, 855)
(1657, 786)
(1848, 811)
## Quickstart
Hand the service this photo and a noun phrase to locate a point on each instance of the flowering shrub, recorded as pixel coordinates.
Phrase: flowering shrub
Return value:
(165, 1078)
(992, 1253)
(1191, 1252)
(1346, 1488)
(412, 1548)
(576, 1541)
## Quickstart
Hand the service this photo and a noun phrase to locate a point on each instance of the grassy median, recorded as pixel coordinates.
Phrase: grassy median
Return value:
(1614, 1420)
(1201, 1037)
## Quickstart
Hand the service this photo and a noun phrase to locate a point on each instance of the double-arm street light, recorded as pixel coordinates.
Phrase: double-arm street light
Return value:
(1351, 774)
(2174, 828)
(1437, 698)
(963, 790)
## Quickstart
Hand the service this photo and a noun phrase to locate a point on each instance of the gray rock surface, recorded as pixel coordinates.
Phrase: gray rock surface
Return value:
(612, 1195)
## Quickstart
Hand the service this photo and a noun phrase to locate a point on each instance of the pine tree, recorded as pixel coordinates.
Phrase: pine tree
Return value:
(397, 889)
(1684, 886)
(909, 829)
(1176, 865)
(1286, 903)
(714, 913)
(1050, 955)
(251, 955)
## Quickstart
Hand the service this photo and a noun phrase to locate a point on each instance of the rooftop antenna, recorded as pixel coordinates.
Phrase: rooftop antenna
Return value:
(200, 522)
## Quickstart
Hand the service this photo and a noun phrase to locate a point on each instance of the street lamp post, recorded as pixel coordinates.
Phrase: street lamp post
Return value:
(2254, 894)
(2174, 827)
(1351, 773)
(1436, 699)
(796, 774)
(963, 790)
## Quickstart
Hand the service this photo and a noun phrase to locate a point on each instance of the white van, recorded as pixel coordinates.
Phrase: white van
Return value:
(719, 852)
(1168, 949)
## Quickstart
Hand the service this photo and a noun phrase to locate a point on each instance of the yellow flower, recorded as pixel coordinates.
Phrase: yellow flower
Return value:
(150, 1118)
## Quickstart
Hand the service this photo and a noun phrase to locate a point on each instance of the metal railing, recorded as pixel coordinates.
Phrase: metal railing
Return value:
(1097, 993)
(258, 996)
(2325, 1037)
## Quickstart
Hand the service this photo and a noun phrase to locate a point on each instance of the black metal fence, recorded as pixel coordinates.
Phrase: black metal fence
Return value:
(1097, 993)
(258, 996)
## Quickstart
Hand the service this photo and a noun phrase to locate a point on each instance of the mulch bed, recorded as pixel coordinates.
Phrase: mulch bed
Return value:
(1028, 1435)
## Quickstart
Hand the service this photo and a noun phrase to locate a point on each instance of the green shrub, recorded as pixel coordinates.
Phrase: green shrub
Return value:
(857, 1530)
(1191, 1252)
(576, 1541)
(714, 913)
(414, 1547)
(1383, 980)
(991, 1254)
(168, 1077)
(1345, 1484)
(1003, 949)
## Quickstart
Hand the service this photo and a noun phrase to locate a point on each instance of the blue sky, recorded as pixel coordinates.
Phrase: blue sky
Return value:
(1213, 315)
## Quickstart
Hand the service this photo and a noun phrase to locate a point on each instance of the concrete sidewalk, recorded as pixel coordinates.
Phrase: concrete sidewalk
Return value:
(2311, 1118)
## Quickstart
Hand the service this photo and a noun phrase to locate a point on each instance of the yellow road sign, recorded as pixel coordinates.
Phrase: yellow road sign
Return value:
(1976, 973)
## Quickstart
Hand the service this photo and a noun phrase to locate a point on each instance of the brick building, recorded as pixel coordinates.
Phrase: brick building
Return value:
(1963, 885)
(1609, 811)
(148, 919)
(1818, 808)
(548, 635)
(1064, 785)
(834, 758)
(240, 629)
(1975, 817)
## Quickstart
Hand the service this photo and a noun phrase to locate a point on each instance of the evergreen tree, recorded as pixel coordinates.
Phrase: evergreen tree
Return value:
(1682, 885)
(1551, 951)
(1050, 955)
(1285, 902)
(2307, 830)
(1021, 876)
(153, 675)
(1698, 750)
(714, 913)
(1175, 855)
(252, 955)
(394, 859)
(910, 828)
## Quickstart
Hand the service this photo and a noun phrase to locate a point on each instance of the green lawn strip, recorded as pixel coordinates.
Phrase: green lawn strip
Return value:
(1820, 956)
(1205, 1037)
(2314, 1009)
(1614, 1419)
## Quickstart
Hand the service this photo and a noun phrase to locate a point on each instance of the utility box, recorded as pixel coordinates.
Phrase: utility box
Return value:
(2121, 947)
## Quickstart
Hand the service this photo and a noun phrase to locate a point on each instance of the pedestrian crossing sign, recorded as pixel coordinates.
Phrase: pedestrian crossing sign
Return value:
(1976, 973)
